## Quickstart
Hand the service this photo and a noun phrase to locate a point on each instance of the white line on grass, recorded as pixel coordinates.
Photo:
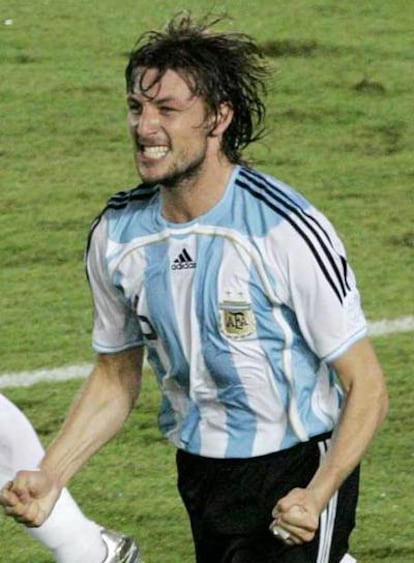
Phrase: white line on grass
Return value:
(28, 378)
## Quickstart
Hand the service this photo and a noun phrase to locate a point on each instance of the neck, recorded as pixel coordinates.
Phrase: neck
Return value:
(196, 195)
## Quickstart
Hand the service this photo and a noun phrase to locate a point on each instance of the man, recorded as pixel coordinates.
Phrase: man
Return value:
(240, 291)
(69, 535)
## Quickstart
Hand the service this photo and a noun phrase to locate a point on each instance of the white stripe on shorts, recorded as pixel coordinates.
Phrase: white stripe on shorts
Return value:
(327, 519)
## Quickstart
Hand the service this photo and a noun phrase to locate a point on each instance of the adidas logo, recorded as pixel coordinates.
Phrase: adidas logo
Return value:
(183, 262)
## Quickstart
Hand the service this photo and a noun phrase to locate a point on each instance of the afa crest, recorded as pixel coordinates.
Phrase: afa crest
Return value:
(237, 319)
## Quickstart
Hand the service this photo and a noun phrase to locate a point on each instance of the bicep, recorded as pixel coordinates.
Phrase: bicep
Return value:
(122, 369)
(359, 369)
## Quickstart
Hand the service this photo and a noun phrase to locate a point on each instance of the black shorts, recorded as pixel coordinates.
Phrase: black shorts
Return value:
(230, 503)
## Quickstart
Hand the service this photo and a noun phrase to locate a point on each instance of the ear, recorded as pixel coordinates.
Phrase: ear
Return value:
(222, 120)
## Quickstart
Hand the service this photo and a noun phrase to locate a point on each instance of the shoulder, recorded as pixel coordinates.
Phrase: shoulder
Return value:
(135, 198)
(280, 210)
(120, 211)
(124, 203)
(272, 192)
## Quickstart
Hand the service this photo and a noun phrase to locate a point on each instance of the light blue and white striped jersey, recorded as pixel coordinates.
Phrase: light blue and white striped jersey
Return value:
(241, 311)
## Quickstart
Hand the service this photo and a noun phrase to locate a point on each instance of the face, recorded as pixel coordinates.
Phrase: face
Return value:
(167, 123)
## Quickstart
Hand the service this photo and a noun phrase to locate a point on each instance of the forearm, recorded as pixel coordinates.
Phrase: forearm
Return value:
(95, 417)
(349, 444)
(365, 408)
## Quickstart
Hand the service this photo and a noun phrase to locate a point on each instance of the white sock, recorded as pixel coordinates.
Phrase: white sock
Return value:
(67, 532)
(71, 536)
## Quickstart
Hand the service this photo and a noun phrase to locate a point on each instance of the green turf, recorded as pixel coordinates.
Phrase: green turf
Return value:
(338, 129)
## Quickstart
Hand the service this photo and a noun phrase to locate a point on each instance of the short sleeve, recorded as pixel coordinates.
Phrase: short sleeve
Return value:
(320, 287)
(116, 325)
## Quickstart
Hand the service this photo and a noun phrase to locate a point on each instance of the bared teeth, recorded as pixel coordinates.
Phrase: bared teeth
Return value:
(155, 151)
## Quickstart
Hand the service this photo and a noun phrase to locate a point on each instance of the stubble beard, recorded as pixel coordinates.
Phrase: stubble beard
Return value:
(178, 177)
(185, 176)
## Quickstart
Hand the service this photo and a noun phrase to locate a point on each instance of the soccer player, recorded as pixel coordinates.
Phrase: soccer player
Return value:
(241, 293)
(69, 535)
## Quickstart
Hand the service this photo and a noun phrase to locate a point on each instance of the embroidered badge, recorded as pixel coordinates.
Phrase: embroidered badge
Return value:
(237, 319)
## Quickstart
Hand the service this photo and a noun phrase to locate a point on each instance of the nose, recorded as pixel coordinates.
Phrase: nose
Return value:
(147, 122)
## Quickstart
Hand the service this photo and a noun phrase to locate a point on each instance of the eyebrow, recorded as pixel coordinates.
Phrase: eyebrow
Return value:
(158, 101)
(131, 95)
(165, 100)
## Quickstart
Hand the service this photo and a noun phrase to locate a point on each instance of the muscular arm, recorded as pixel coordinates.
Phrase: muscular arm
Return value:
(365, 408)
(97, 414)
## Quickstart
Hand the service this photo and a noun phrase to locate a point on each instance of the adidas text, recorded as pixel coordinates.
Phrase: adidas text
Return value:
(184, 266)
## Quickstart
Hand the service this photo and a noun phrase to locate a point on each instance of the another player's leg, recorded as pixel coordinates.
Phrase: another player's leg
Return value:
(67, 533)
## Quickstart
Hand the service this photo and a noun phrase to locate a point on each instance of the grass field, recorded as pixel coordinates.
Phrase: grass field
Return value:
(338, 129)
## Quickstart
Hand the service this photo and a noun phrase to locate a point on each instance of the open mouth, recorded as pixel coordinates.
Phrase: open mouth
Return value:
(153, 152)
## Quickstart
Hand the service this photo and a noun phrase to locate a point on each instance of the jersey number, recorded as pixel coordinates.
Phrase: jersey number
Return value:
(147, 328)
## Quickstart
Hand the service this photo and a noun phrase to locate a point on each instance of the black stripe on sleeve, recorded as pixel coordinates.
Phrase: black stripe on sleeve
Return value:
(308, 220)
(259, 195)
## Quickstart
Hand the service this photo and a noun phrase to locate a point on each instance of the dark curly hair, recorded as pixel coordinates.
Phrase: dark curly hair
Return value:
(219, 67)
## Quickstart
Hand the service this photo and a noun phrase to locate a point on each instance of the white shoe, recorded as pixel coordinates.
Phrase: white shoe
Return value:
(120, 548)
(347, 558)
